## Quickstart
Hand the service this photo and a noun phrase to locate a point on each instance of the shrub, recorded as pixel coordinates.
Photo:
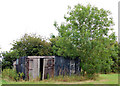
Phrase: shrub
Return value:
(71, 78)
(21, 75)
(11, 74)
(48, 76)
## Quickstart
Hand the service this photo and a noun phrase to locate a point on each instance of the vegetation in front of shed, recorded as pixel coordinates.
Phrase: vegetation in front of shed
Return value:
(102, 79)
(72, 78)
(12, 75)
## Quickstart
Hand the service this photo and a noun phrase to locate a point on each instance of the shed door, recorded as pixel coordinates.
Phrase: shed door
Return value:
(48, 68)
(30, 68)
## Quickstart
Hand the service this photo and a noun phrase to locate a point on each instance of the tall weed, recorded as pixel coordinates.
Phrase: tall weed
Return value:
(11, 74)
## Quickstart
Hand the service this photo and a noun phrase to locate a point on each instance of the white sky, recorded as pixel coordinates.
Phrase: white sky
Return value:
(37, 16)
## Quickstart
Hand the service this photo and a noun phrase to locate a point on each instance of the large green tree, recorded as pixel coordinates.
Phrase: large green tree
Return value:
(32, 45)
(85, 35)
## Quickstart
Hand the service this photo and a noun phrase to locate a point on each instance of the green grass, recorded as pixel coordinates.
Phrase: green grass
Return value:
(108, 79)
(0, 79)
(103, 79)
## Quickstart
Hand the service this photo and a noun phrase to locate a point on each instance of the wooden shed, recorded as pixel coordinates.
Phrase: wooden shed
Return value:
(44, 66)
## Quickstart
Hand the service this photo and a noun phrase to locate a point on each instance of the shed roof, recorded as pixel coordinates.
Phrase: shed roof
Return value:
(38, 57)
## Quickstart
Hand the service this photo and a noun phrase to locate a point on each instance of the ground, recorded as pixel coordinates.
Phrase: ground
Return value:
(103, 79)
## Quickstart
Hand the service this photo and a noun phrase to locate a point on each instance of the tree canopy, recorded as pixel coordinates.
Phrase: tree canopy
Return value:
(27, 45)
(85, 34)
(32, 45)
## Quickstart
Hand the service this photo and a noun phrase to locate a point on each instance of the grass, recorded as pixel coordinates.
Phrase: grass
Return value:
(0, 79)
(103, 79)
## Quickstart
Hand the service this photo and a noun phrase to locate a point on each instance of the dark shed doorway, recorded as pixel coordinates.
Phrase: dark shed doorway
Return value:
(41, 68)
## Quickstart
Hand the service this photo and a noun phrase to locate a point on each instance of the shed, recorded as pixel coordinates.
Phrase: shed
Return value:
(44, 66)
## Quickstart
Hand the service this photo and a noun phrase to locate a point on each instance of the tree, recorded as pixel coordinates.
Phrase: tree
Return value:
(27, 45)
(54, 47)
(32, 45)
(85, 35)
(114, 56)
(119, 58)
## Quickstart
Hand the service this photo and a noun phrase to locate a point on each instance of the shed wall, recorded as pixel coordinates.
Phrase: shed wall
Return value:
(66, 66)
(62, 66)
(52, 66)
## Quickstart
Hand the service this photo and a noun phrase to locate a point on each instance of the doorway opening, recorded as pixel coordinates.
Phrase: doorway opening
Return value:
(41, 68)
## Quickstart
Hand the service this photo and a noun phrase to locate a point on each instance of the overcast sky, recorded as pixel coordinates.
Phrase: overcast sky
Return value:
(18, 17)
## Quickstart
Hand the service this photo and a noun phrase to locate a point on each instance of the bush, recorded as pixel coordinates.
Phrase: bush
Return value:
(11, 74)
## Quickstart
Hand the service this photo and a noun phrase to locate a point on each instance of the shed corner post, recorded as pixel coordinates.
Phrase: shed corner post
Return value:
(43, 69)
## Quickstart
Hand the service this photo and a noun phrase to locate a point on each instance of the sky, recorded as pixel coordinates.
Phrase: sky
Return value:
(18, 17)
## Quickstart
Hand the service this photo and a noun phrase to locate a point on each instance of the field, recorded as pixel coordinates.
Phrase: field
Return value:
(103, 79)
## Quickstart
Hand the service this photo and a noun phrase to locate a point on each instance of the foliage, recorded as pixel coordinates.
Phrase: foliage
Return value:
(54, 47)
(0, 66)
(85, 35)
(28, 45)
(119, 58)
(9, 58)
(10, 74)
(21, 75)
(115, 57)
(119, 49)
(32, 45)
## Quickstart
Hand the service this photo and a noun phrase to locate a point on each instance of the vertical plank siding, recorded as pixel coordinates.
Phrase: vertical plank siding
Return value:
(50, 66)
